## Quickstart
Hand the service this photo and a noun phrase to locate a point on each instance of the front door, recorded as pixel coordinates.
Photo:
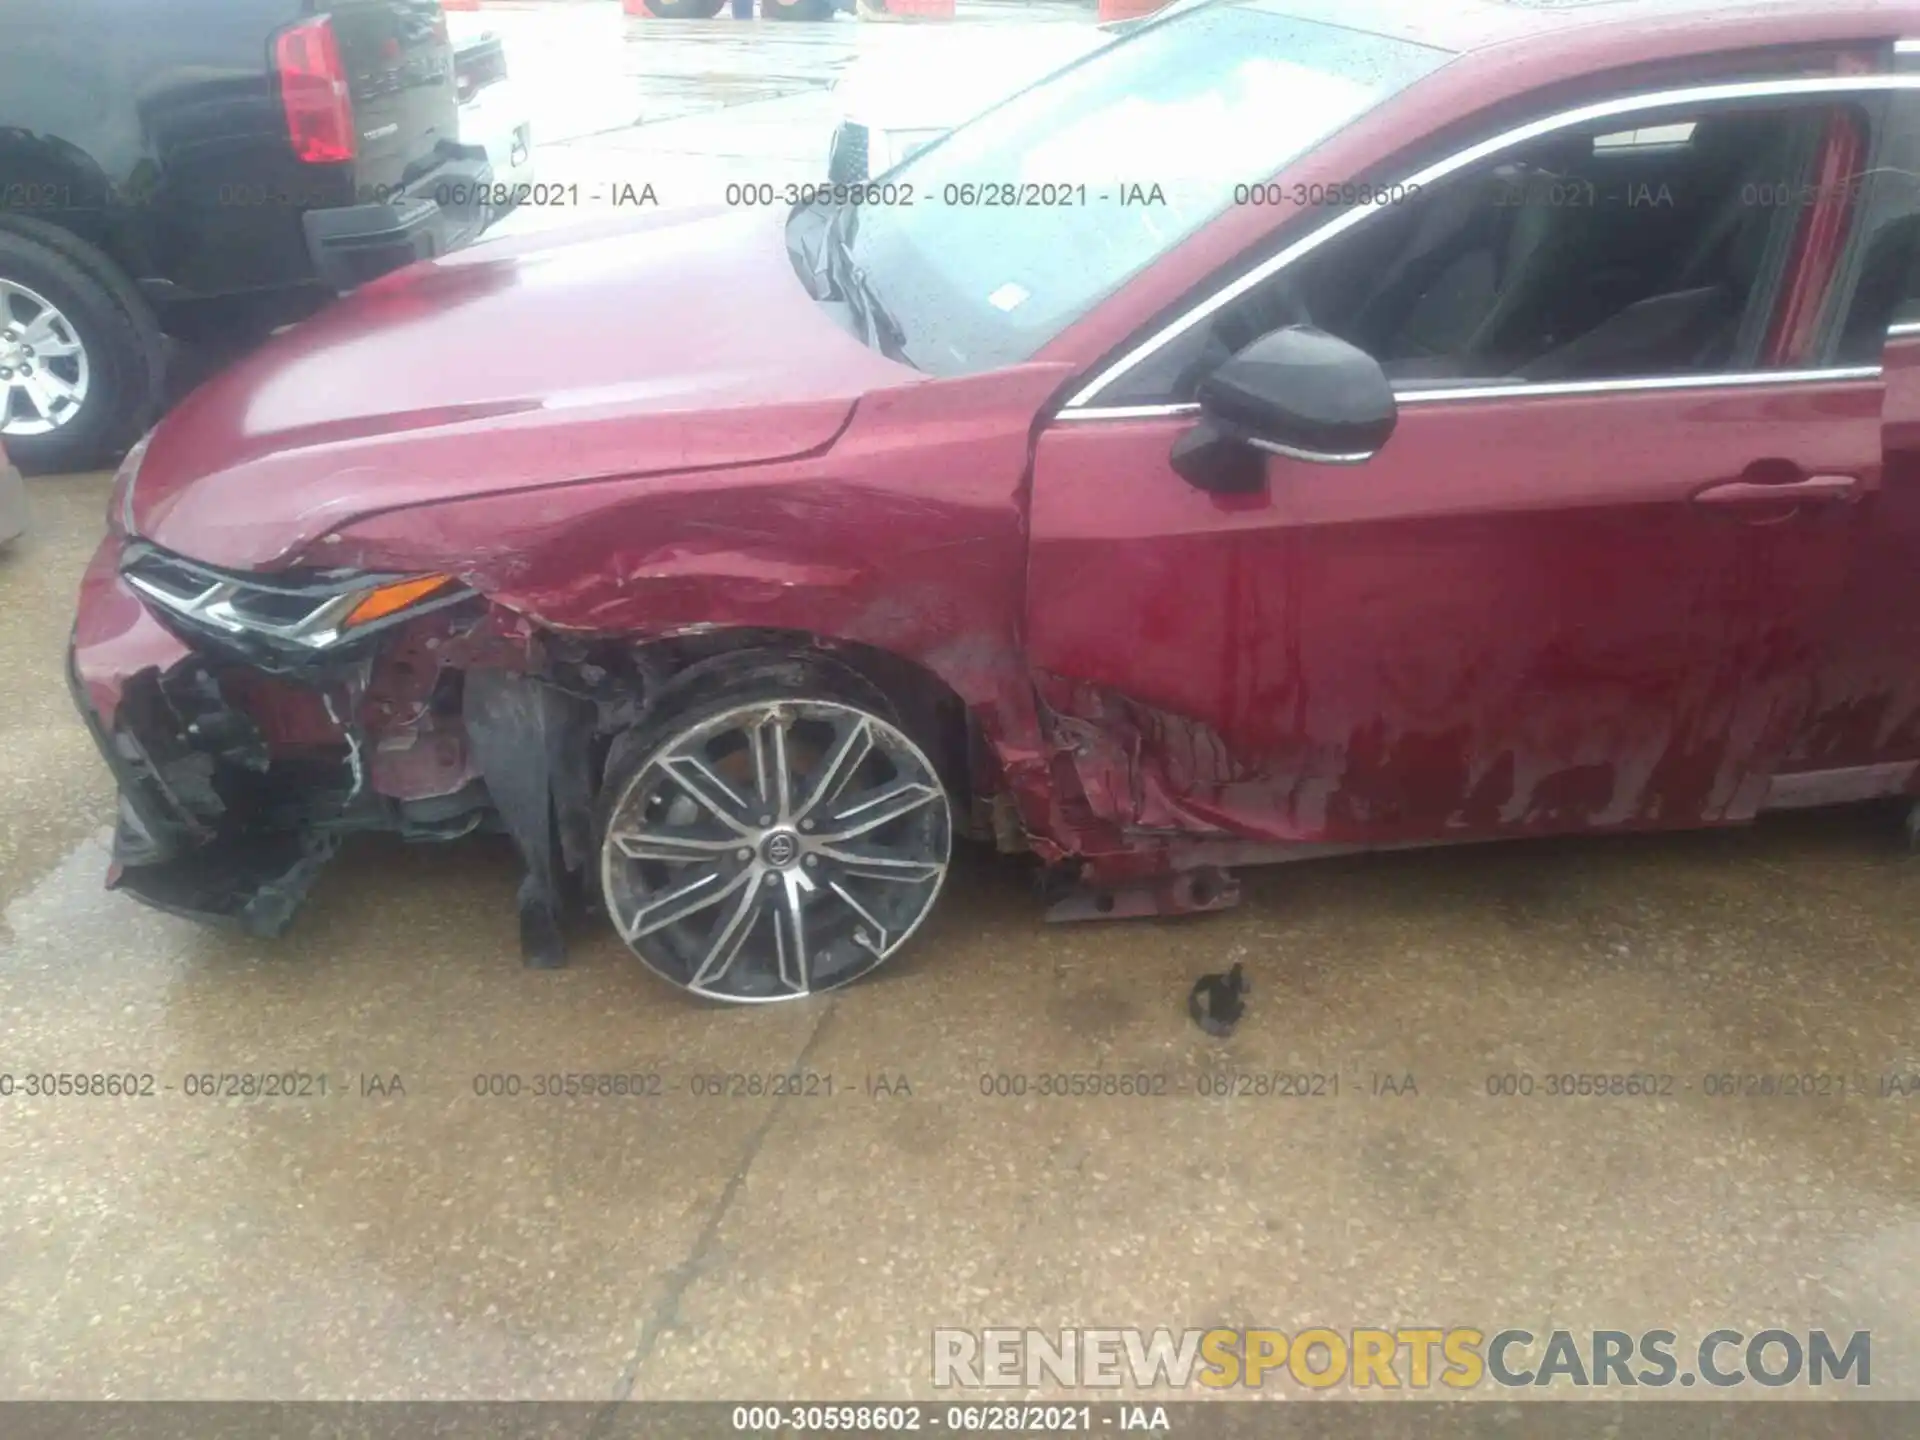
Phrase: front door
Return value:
(1587, 582)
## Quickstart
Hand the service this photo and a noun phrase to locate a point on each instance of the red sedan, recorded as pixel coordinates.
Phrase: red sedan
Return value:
(1298, 427)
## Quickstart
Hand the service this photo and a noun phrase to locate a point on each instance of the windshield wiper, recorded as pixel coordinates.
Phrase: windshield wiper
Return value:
(821, 260)
(878, 327)
(887, 335)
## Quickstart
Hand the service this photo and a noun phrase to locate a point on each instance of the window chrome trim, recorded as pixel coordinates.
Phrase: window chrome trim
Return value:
(1902, 329)
(1131, 412)
(1083, 399)
(1906, 47)
(1745, 379)
(1740, 380)
(1315, 457)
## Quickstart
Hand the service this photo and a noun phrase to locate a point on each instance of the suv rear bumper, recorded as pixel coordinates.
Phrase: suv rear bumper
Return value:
(441, 212)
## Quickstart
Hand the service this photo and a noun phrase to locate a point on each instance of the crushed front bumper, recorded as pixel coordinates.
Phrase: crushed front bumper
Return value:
(193, 836)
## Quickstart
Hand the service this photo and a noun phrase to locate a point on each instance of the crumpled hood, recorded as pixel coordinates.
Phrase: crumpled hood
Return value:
(672, 342)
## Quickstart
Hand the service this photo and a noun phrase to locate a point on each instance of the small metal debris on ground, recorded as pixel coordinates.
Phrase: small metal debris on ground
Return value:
(1216, 1002)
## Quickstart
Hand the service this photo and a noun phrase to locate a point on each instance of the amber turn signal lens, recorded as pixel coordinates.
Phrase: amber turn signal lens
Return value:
(389, 599)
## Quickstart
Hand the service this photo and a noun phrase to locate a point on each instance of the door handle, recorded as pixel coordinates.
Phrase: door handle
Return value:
(1762, 494)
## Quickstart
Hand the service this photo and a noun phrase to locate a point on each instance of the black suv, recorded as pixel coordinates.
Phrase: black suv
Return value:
(205, 169)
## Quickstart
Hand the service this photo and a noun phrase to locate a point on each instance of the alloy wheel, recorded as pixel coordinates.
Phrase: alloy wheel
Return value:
(776, 849)
(44, 374)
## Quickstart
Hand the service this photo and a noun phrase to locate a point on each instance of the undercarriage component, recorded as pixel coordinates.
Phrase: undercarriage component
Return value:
(1184, 892)
(532, 745)
(1003, 824)
(443, 817)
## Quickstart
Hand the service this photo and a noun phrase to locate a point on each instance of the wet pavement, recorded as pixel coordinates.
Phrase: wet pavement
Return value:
(400, 1230)
(404, 1235)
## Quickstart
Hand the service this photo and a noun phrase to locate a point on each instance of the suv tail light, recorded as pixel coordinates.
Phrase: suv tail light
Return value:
(313, 88)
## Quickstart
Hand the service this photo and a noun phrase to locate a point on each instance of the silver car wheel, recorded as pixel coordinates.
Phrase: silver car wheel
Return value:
(776, 849)
(44, 374)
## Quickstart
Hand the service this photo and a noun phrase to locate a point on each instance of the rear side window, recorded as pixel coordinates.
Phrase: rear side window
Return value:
(1617, 251)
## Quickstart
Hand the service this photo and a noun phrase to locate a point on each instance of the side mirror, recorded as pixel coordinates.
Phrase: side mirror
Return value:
(1297, 392)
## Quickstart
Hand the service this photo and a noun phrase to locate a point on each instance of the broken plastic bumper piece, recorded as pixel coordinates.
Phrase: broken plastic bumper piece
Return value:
(188, 766)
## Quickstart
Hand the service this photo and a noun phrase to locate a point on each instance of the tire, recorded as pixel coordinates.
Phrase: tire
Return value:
(685, 9)
(97, 312)
(771, 833)
(797, 9)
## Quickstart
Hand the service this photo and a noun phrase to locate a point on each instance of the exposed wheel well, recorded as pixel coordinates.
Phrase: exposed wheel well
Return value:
(650, 674)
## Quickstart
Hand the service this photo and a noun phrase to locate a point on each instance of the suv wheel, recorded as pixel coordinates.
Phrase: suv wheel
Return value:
(772, 841)
(81, 358)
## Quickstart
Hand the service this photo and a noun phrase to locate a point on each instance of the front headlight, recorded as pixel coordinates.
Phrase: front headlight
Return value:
(299, 612)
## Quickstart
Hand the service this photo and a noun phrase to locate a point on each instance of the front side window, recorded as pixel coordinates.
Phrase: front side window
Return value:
(987, 245)
(1625, 249)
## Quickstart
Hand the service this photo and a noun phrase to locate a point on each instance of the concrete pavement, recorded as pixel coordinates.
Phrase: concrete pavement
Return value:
(422, 1239)
(401, 1227)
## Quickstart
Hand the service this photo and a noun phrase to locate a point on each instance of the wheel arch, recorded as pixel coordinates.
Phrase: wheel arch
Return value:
(86, 224)
(926, 705)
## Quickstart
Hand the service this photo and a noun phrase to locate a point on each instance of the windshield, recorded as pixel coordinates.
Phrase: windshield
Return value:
(987, 245)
